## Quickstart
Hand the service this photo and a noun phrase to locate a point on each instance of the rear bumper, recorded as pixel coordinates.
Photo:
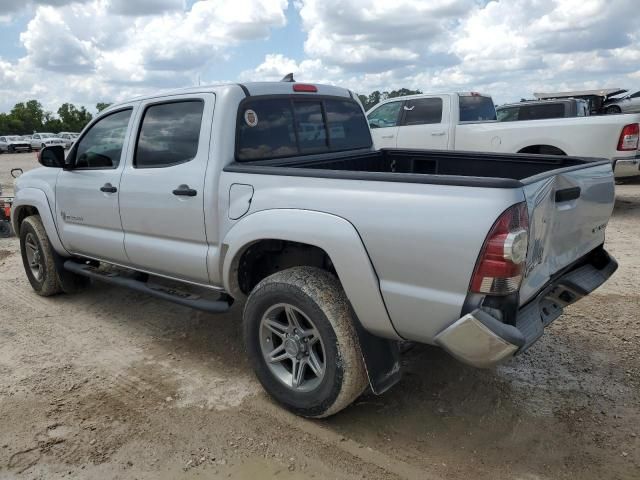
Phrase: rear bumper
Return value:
(626, 167)
(482, 340)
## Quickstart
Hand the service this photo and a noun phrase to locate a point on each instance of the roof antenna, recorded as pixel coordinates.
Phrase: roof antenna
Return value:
(288, 78)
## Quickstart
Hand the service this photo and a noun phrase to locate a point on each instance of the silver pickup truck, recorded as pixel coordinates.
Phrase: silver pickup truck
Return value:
(271, 196)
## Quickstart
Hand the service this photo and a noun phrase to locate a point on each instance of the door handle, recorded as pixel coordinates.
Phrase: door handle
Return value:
(567, 194)
(387, 136)
(108, 188)
(184, 190)
(437, 134)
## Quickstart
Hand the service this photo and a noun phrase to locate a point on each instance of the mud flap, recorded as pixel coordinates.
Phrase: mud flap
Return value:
(381, 359)
(69, 282)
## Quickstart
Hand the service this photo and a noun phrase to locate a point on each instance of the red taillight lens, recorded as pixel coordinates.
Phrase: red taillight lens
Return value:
(504, 254)
(629, 137)
(304, 87)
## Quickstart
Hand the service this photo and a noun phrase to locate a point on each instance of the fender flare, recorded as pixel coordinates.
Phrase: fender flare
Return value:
(34, 197)
(336, 236)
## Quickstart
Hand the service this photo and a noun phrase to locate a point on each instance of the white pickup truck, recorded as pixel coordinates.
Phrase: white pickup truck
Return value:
(467, 121)
(270, 196)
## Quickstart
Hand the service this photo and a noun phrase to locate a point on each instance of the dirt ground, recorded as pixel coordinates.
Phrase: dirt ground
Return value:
(112, 384)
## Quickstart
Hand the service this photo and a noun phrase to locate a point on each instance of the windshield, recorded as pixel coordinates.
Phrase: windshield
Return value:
(14, 138)
(46, 135)
(476, 108)
(283, 126)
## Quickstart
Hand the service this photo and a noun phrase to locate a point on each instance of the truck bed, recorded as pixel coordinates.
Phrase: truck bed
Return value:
(423, 166)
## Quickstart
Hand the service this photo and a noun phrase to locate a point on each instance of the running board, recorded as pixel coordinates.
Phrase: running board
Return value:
(158, 291)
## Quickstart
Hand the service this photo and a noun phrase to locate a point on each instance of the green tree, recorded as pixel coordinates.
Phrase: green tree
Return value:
(376, 96)
(101, 106)
(26, 117)
(72, 118)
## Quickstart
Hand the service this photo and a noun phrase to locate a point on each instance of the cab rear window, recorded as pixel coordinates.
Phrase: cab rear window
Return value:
(277, 127)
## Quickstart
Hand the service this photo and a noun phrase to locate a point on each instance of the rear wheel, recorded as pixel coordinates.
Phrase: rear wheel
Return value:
(613, 109)
(301, 341)
(10, 149)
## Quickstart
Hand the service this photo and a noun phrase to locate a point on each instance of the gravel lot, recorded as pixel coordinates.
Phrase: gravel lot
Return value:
(110, 383)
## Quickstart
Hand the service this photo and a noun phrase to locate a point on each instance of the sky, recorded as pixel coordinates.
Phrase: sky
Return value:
(89, 51)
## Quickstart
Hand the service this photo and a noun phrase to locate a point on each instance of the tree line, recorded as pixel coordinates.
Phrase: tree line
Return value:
(28, 117)
(376, 96)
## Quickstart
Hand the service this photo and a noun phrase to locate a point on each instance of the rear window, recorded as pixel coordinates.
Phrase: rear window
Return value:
(285, 126)
(476, 108)
(169, 134)
(423, 111)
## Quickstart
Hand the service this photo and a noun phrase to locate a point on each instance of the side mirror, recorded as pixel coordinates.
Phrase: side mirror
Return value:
(52, 156)
(373, 125)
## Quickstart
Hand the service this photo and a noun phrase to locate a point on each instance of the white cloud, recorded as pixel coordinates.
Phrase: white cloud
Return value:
(145, 7)
(104, 54)
(90, 50)
(508, 48)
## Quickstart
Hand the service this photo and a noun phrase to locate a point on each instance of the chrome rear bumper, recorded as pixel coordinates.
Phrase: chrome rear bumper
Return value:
(626, 167)
(481, 340)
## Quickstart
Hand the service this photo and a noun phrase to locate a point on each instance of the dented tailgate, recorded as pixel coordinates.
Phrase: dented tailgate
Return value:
(568, 214)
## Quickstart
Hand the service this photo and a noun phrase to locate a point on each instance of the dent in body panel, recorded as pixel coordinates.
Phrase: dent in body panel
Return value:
(562, 232)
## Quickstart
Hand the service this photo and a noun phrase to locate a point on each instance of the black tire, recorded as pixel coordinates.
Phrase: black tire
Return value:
(613, 109)
(30, 150)
(10, 149)
(319, 296)
(46, 282)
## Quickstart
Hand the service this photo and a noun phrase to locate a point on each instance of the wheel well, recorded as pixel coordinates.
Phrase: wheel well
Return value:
(266, 257)
(542, 150)
(24, 212)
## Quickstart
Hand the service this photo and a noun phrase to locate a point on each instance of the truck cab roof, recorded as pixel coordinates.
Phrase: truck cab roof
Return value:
(249, 88)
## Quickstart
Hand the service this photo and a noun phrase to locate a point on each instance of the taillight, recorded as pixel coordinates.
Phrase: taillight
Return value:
(629, 137)
(304, 87)
(503, 256)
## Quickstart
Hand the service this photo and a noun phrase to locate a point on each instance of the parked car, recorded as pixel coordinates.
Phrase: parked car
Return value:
(337, 250)
(41, 140)
(541, 109)
(628, 104)
(68, 137)
(467, 121)
(14, 143)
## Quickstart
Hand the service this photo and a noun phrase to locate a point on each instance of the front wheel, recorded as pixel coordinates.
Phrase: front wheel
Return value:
(301, 342)
(613, 109)
(37, 257)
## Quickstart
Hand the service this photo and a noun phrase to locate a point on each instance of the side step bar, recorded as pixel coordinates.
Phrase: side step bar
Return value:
(158, 291)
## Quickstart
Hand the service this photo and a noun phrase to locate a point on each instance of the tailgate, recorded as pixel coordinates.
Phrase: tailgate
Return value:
(568, 213)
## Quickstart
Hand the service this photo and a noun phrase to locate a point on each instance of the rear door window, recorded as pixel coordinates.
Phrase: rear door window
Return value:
(422, 111)
(169, 134)
(286, 126)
